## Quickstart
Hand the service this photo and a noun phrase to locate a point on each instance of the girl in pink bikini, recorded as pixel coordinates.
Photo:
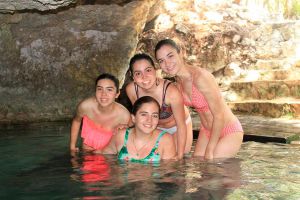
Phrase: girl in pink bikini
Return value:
(100, 115)
(221, 133)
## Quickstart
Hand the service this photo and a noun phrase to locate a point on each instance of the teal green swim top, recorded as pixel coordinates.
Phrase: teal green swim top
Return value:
(153, 156)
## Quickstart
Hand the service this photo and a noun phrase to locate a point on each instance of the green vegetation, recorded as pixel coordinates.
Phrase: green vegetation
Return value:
(289, 8)
(288, 115)
(295, 11)
(292, 138)
(287, 112)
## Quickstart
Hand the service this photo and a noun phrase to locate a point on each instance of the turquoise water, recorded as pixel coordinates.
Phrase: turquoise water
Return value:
(35, 164)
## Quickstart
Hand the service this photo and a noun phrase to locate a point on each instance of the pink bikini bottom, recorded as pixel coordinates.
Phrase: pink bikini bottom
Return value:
(230, 128)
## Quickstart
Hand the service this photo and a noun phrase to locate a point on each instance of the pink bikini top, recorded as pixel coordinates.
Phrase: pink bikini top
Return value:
(198, 101)
(94, 135)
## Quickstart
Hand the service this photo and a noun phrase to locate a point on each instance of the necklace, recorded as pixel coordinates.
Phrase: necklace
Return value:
(144, 145)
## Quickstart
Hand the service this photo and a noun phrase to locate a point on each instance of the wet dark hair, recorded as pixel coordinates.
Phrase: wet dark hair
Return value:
(142, 100)
(137, 57)
(166, 42)
(110, 77)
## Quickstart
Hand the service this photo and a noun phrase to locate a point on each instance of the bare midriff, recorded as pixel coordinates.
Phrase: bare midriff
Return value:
(207, 118)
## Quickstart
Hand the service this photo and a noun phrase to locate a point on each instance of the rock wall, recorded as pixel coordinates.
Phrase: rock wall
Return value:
(223, 37)
(52, 50)
(49, 62)
(11, 6)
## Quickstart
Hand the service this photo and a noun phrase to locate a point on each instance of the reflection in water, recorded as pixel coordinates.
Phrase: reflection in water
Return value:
(95, 168)
(106, 177)
(213, 180)
(35, 164)
(92, 167)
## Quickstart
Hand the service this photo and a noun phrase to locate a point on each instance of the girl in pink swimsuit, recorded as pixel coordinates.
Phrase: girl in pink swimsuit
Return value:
(99, 115)
(221, 133)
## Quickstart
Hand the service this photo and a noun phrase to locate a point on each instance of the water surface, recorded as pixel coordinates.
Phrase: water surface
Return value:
(35, 164)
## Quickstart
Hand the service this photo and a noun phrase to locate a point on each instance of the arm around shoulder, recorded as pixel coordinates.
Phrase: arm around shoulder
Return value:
(118, 140)
(177, 105)
(125, 119)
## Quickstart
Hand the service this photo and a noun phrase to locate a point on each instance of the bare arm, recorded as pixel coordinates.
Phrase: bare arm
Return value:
(124, 121)
(119, 140)
(167, 147)
(112, 148)
(116, 141)
(207, 85)
(76, 122)
(176, 101)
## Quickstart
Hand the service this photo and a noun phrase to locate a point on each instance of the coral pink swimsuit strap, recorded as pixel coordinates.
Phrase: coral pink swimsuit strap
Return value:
(198, 100)
(95, 135)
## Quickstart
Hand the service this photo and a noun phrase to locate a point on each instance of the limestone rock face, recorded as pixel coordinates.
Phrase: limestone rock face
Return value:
(40, 5)
(49, 62)
(107, 2)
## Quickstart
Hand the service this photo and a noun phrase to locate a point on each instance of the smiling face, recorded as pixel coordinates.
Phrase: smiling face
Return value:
(169, 59)
(146, 118)
(106, 92)
(143, 73)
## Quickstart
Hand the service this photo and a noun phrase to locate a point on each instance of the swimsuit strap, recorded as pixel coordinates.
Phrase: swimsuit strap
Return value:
(126, 137)
(165, 87)
(123, 153)
(136, 87)
(158, 139)
(153, 155)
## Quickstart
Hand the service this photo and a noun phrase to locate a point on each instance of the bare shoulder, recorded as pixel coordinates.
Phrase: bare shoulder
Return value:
(88, 101)
(121, 108)
(173, 94)
(86, 105)
(167, 138)
(172, 90)
(122, 114)
(130, 87)
(201, 73)
(130, 91)
(202, 77)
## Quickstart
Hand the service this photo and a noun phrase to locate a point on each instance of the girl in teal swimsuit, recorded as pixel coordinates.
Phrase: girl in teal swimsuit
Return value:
(143, 142)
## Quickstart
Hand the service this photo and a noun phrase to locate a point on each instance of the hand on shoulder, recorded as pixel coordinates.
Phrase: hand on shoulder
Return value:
(118, 139)
(120, 128)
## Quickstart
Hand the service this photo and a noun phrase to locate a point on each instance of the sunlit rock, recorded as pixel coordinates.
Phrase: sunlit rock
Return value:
(213, 16)
(182, 28)
(236, 38)
(252, 75)
(233, 69)
(163, 23)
